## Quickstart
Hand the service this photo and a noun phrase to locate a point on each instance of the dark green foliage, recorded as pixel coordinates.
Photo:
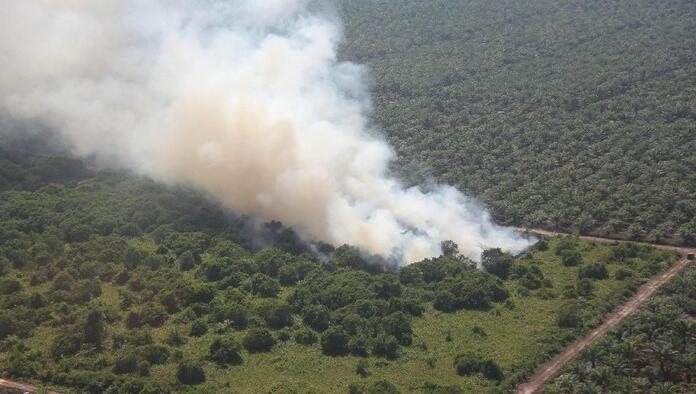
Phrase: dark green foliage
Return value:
(471, 363)
(225, 350)
(190, 372)
(584, 287)
(568, 315)
(362, 368)
(263, 285)
(144, 368)
(571, 258)
(187, 261)
(236, 314)
(381, 387)
(334, 342)
(594, 271)
(258, 340)
(275, 315)
(95, 328)
(7, 325)
(127, 364)
(305, 337)
(496, 262)
(198, 328)
(9, 286)
(317, 317)
(175, 338)
(154, 353)
(66, 344)
(385, 345)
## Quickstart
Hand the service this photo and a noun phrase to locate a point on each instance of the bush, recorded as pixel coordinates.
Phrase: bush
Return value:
(9, 286)
(491, 370)
(144, 368)
(445, 302)
(127, 364)
(155, 354)
(334, 342)
(66, 345)
(276, 315)
(317, 317)
(225, 351)
(305, 337)
(571, 258)
(263, 285)
(258, 340)
(594, 271)
(585, 287)
(7, 325)
(496, 262)
(361, 368)
(568, 315)
(187, 261)
(357, 346)
(385, 346)
(190, 372)
(467, 364)
(381, 387)
(175, 338)
(471, 363)
(622, 274)
(198, 328)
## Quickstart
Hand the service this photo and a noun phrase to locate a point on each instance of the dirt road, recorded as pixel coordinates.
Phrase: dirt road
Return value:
(8, 386)
(552, 368)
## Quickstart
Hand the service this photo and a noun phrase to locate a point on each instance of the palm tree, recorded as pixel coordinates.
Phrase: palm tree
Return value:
(602, 376)
(685, 329)
(664, 388)
(664, 354)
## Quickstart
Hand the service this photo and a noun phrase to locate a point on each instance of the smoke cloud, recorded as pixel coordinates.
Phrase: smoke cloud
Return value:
(243, 99)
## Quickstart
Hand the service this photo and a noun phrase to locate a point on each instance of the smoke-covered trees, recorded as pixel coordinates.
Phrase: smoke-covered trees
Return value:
(496, 262)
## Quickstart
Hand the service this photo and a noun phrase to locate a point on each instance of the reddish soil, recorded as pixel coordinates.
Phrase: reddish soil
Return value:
(552, 368)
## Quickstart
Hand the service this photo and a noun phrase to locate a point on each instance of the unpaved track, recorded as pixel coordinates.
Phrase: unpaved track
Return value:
(552, 368)
(16, 387)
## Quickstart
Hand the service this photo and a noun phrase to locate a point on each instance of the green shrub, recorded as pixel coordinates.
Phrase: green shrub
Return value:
(334, 341)
(568, 315)
(225, 350)
(305, 337)
(198, 328)
(385, 346)
(190, 372)
(9, 286)
(594, 271)
(126, 364)
(258, 340)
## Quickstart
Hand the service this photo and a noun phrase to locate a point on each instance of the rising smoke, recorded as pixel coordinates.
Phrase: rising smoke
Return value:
(243, 99)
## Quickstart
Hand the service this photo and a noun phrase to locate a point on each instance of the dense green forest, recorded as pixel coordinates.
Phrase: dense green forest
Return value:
(653, 350)
(578, 115)
(110, 282)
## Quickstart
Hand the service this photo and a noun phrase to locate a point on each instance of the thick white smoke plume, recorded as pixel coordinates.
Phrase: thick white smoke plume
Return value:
(243, 99)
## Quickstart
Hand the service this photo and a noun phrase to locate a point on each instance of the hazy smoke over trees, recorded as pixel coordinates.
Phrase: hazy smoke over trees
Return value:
(243, 99)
